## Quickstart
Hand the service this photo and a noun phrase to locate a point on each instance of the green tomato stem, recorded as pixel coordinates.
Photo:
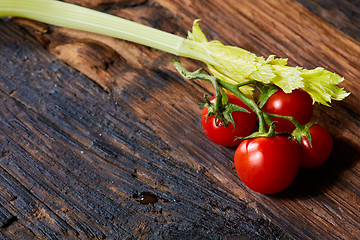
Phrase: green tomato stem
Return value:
(234, 88)
(218, 99)
(257, 84)
(292, 119)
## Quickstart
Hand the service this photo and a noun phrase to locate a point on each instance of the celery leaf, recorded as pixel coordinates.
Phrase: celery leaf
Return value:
(237, 65)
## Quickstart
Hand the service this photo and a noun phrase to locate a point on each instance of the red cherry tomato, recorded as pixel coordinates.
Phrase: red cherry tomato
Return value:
(322, 145)
(267, 164)
(226, 136)
(297, 104)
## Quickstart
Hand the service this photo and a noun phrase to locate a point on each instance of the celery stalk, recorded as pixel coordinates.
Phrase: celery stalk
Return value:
(228, 63)
(76, 17)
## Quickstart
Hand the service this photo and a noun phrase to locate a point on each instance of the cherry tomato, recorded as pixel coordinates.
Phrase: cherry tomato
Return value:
(322, 145)
(226, 136)
(267, 164)
(297, 104)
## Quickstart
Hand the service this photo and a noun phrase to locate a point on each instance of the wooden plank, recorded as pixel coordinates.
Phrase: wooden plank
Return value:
(6, 218)
(344, 15)
(92, 165)
(88, 150)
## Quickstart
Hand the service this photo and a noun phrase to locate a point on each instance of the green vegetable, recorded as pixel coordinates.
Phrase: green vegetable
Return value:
(228, 63)
(237, 65)
(76, 17)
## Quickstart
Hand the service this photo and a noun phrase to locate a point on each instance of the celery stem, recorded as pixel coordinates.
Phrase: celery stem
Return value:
(76, 17)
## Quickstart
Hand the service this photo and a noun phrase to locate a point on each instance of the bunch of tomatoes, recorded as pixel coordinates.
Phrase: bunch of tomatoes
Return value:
(268, 163)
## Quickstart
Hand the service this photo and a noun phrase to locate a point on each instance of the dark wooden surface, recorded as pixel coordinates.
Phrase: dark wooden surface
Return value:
(102, 139)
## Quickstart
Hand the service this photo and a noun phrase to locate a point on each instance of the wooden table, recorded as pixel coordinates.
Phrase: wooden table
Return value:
(102, 139)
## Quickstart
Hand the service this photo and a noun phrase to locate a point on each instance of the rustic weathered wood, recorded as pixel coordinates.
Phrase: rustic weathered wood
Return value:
(6, 218)
(109, 145)
(344, 15)
(86, 155)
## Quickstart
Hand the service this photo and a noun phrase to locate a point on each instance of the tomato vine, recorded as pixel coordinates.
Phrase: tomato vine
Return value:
(266, 160)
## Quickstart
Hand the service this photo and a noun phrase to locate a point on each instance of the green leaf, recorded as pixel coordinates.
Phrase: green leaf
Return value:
(322, 85)
(266, 93)
(276, 61)
(229, 109)
(224, 111)
(247, 90)
(264, 73)
(236, 65)
(304, 131)
(287, 78)
(196, 34)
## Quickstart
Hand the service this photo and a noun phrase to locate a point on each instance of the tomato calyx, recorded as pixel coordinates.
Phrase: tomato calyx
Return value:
(270, 133)
(222, 109)
(266, 91)
(303, 131)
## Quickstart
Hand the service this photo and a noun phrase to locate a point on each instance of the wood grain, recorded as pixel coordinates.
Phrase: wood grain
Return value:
(101, 138)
